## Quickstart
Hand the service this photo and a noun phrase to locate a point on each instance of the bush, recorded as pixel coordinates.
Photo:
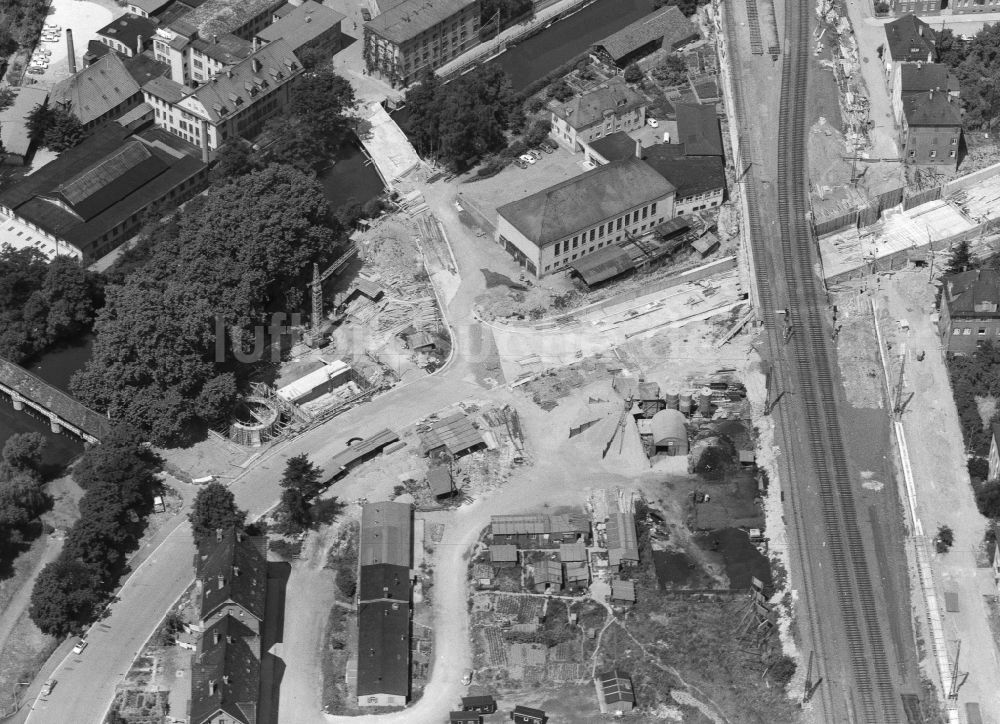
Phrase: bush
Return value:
(979, 468)
(560, 90)
(535, 105)
(633, 74)
(944, 540)
(347, 580)
(284, 548)
(881, 8)
(782, 670)
(988, 499)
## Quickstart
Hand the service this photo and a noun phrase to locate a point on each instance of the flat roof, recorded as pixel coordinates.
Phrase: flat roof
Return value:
(309, 382)
(128, 28)
(13, 129)
(409, 19)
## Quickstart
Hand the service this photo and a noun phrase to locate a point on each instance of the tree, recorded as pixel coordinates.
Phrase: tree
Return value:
(975, 64)
(688, 7)
(944, 540)
(295, 509)
(65, 597)
(672, 71)
(321, 100)
(988, 499)
(303, 476)
(961, 258)
(214, 508)
(560, 90)
(632, 74)
(22, 453)
(235, 158)
(950, 50)
(54, 127)
(8, 44)
(21, 501)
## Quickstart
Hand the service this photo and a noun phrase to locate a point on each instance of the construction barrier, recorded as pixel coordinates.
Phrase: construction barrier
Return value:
(916, 198)
(969, 179)
(836, 223)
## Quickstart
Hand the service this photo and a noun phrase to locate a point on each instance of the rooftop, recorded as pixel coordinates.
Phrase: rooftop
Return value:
(615, 146)
(585, 200)
(303, 24)
(95, 90)
(225, 673)
(440, 481)
(622, 590)
(916, 77)
(573, 552)
(455, 432)
(14, 137)
(384, 581)
(383, 648)
(932, 109)
(617, 686)
(667, 23)
(128, 28)
(386, 534)
(503, 553)
(144, 68)
(603, 264)
(909, 39)
(18, 378)
(227, 49)
(149, 6)
(623, 540)
(216, 17)
(973, 293)
(232, 567)
(698, 129)
(690, 175)
(409, 19)
(353, 453)
(614, 96)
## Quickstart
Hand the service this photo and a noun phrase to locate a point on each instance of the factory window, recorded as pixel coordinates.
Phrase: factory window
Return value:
(574, 242)
(619, 225)
(645, 211)
(982, 332)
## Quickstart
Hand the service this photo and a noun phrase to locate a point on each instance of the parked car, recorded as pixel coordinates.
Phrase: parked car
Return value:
(467, 677)
(527, 158)
(365, 15)
(547, 147)
(35, 70)
(535, 153)
(653, 122)
(80, 646)
(48, 686)
(520, 163)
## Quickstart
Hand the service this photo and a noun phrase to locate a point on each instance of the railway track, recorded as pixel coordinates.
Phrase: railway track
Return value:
(870, 696)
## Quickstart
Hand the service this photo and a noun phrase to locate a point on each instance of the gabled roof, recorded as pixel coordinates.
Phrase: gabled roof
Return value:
(922, 77)
(690, 175)
(455, 432)
(615, 146)
(383, 648)
(503, 553)
(932, 109)
(165, 89)
(232, 568)
(150, 6)
(623, 540)
(529, 524)
(127, 30)
(973, 293)
(144, 68)
(216, 17)
(93, 190)
(573, 552)
(386, 534)
(616, 686)
(384, 581)
(547, 571)
(225, 673)
(614, 96)
(303, 24)
(409, 19)
(13, 119)
(698, 129)
(667, 23)
(603, 264)
(622, 590)
(909, 39)
(439, 480)
(585, 200)
(577, 571)
(227, 49)
(95, 90)
(529, 712)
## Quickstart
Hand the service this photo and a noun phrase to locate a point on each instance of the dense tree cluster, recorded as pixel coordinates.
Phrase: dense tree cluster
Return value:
(977, 66)
(672, 71)
(42, 303)
(688, 7)
(22, 22)
(54, 127)
(459, 122)
(971, 376)
(22, 497)
(119, 480)
(505, 11)
(214, 509)
(300, 507)
(163, 359)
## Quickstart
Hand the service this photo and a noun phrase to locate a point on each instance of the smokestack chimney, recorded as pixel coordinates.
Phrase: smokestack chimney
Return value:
(204, 159)
(70, 51)
(211, 687)
(138, 44)
(221, 581)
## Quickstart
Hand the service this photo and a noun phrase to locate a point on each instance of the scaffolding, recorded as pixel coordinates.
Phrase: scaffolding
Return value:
(269, 417)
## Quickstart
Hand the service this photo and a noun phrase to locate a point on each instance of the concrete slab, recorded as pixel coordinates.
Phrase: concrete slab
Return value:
(388, 146)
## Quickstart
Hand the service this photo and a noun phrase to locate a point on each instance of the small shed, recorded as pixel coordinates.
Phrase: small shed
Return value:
(650, 401)
(673, 227)
(421, 342)
(573, 552)
(465, 717)
(456, 434)
(547, 573)
(616, 688)
(503, 556)
(670, 432)
(706, 243)
(482, 704)
(577, 575)
(604, 264)
(622, 591)
(440, 481)
(527, 715)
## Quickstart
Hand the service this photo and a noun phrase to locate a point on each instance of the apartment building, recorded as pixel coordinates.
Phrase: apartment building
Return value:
(193, 59)
(416, 35)
(970, 310)
(921, 78)
(931, 131)
(128, 35)
(548, 230)
(608, 109)
(934, 7)
(907, 40)
(234, 102)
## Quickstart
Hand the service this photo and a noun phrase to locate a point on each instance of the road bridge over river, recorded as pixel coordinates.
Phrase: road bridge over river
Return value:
(64, 413)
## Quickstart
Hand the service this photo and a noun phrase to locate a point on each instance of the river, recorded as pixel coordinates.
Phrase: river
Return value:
(56, 368)
(351, 177)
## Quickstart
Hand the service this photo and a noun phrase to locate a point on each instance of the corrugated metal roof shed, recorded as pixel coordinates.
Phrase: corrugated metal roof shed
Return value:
(668, 427)
(603, 264)
(547, 571)
(440, 481)
(533, 523)
(623, 540)
(344, 459)
(572, 552)
(577, 572)
(505, 553)
(386, 534)
(622, 590)
(454, 432)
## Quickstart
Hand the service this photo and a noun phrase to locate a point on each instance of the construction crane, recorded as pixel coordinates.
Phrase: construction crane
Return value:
(316, 284)
(958, 678)
(898, 403)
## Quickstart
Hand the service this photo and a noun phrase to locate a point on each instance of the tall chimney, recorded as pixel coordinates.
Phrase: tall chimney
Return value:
(70, 51)
(138, 44)
(205, 158)
(221, 581)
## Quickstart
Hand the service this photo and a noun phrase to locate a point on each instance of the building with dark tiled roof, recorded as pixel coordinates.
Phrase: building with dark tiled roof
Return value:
(243, 18)
(615, 146)
(100, 92)
(93, 197)
(931, 132)
(617, 692)
(384, 581)
(15, 141)
(232, 578)
(148, 8)
(129, 34)
(920, 78)
(308, 26)
(383, 653)
(416, 35)
(527, 715)
(547, 231)
(698, 129)
(970, 310)
(666, 28)
(386, 534)
(907, 40)
(234, 103)
(225, 674)
(700, 180)
(610, 108)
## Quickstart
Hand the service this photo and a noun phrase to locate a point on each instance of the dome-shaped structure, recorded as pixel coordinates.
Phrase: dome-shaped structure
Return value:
(670, 432)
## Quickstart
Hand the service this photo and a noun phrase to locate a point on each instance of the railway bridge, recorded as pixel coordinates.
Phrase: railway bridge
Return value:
(64, 413)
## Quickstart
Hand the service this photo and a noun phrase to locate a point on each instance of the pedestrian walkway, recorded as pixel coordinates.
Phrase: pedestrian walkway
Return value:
(388, 147)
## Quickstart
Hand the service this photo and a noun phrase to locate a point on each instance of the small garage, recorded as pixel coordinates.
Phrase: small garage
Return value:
(669, 432)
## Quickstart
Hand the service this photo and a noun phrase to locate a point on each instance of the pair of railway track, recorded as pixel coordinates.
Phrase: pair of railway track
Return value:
(870, 696)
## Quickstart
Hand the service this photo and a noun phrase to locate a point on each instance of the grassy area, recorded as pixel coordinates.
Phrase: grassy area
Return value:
(25, 652)
(336, 698)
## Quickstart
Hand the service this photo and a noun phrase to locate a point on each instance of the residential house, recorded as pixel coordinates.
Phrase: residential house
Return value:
(225, 674)
(547, 575)
(622, 592)
(994, 455)
(934, 7)
(616, 689)
(969, 312)
(481, 704)
(920, 7)
(931, 132)
(307, 27)
(100, 92)
(503, 555)
(527, 715)
(622, 539)
(907, 40)
(961, 7)
(609, 108)
(698, 129)
(234, 103)
(383, 676)
(94, 196)
(417, 35)
(465, 717)
(15, 141)
(231, 572)
(548, 230)
(920, 78)
(666, 28)
(386, 534)
(128, 34)
(700, 181)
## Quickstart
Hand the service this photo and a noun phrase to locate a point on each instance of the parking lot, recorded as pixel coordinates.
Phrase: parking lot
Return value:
(84, 18)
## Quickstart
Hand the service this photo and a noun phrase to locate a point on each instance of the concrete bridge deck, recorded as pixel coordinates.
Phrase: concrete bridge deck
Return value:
(64, 413)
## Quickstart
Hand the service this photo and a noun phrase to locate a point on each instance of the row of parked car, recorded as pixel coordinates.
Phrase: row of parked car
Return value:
(526, 159)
